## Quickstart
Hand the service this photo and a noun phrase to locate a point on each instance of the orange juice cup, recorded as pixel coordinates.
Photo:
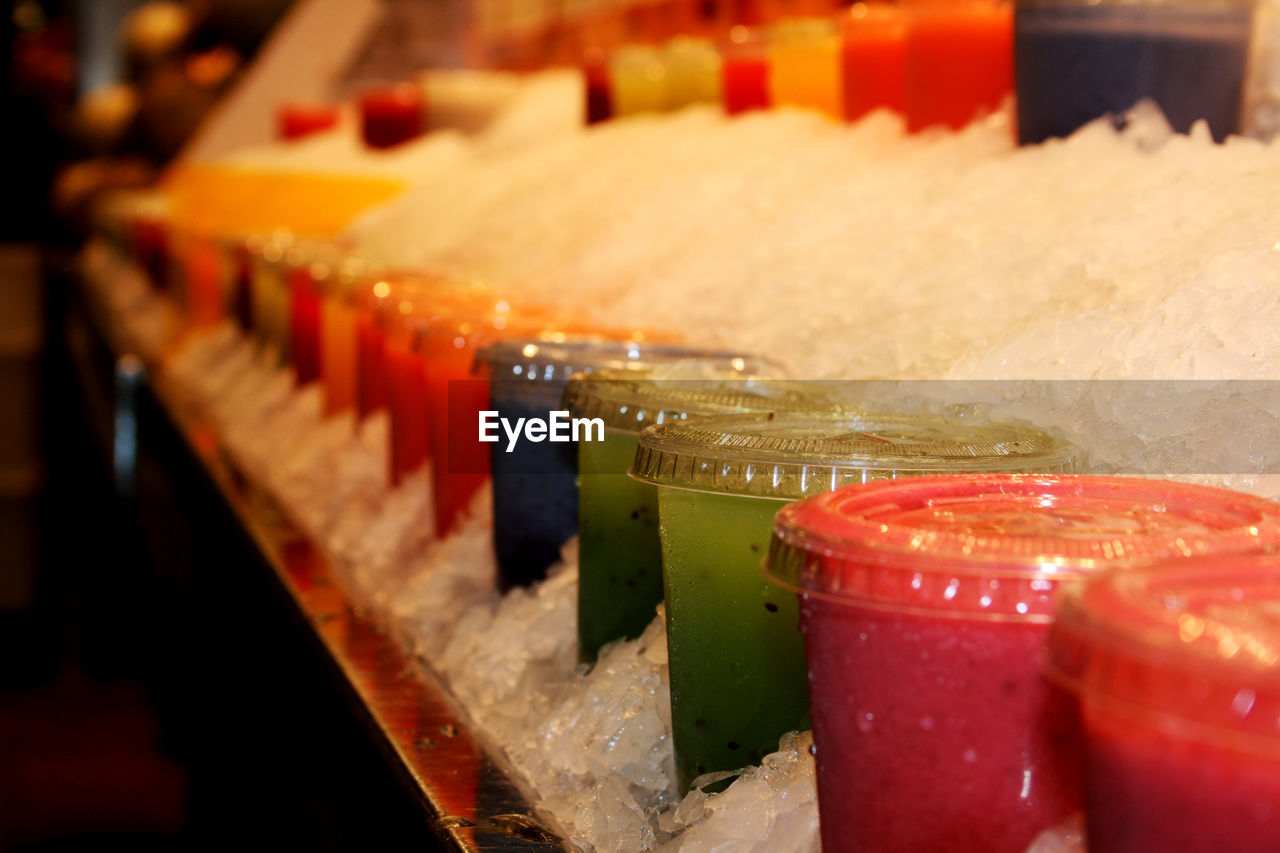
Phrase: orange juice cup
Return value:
(805, 66)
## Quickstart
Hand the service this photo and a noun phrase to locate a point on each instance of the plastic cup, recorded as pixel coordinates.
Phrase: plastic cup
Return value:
(202, 277)
(412, 306)
(925, 606)
(692, 72)
(736, 654)
(239, 257)
(1178, 673)
(1078, 61)
(392, 115)
(637, 80)
(619, 556)
(535, 493)
(270, 297)
(298, 120)
(306, 268)
(805, 66)
(598, 106)
(744, 71)
(875, 59)
(340, 294)
(959, 61)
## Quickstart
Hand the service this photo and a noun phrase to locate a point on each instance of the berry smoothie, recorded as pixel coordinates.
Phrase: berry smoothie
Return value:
(925, 607)
(1178, 673)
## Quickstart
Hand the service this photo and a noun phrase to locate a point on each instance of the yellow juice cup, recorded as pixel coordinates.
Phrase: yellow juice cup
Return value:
(805, 66)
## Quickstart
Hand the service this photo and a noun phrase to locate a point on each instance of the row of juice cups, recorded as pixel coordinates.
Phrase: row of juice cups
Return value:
(944, 63)
(925, 608)
(933, 63)
(924, 603)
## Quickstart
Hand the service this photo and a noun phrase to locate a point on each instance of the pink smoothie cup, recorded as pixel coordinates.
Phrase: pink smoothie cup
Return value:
(1178, 674)
(925, 605)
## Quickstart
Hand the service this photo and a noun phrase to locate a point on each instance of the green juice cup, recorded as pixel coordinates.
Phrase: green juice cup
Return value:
(620, 561)
(738, 679)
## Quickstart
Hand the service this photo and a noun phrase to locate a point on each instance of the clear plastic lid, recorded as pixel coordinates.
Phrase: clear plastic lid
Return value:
(1192, 647)
(995, 546)
(631, 400)
(553, 359)
(792, 455)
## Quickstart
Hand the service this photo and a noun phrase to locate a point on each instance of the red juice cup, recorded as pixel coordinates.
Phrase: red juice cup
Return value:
(414, 303)
(599, 100)
(295, 121)
(875, 59)
(959, 61)
(372, 309)
(305, 269)
(392, 115)
(744, 71)
(736, 654)
(1178, 673)
(925, 606)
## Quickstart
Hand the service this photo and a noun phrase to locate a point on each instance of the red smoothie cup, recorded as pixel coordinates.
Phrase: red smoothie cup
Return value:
(1178, 673)
(959, 61)
(392, 115)
(412, 306)
(295, 121)
(925, 606)
(307, 269)
(875, 59)
(744, 71)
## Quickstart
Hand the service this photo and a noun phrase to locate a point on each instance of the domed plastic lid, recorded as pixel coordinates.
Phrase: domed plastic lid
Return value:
(1193, 648)
(554, 358)
(996, 545)
(631, 400)
(792, 456)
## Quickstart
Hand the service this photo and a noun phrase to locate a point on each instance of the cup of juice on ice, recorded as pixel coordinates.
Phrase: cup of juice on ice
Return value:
(744, 70)
(307, 268)
(448, 344)
(875, 58)
(375, 306)
(1076, 60)
(415, 303)
(959, 61)
(392, 115)
(202, 280)
(269, 296)
(340, 291)
(805, 66)
(736, 655)
(692, 72)
(535, 494)
(598, 105)
(619, 557)
(925, 605)
(637, 80)
(1178, 673)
